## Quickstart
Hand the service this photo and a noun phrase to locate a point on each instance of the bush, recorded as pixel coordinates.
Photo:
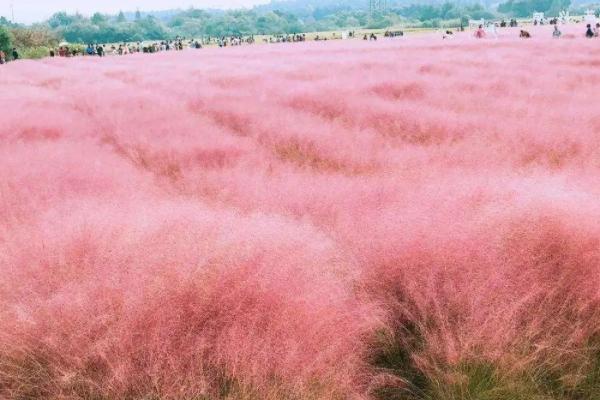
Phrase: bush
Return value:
(34, 52)
(432, 23)
(34, 37)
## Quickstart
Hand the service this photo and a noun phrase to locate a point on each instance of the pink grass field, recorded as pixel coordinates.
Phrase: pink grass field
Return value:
(327, 220)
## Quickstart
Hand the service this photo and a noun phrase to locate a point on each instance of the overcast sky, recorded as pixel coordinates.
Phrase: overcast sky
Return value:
(35, 10)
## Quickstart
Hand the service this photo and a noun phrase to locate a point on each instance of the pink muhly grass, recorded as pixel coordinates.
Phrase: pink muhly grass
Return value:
(275, 222)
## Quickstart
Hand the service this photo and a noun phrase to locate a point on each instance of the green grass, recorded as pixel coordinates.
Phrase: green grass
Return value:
(480, 379)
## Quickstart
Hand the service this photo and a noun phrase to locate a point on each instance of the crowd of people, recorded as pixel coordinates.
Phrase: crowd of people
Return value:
(591, 31)
(102, 50)
(287, 38)
(225, 41)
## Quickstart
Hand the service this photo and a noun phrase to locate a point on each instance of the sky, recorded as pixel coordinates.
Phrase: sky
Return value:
(27, 11)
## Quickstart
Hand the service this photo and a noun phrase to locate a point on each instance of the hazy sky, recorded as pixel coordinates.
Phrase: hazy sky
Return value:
(36, 10)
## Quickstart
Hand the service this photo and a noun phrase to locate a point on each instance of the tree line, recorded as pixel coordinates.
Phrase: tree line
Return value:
(297, 17)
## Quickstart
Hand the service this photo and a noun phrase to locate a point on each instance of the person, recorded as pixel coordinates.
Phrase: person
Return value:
(557, 33)
(597, 30)
(524, 34)
(373, 37)
(52, 53)
(15, 53)
(2, 57)
(480, 33)
(589, 33)
(100, 51)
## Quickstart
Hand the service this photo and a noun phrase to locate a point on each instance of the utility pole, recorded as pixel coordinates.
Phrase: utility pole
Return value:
(377, 6)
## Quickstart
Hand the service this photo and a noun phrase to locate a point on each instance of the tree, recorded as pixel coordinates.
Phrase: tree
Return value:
(150, 28)
(121, 17)
(98, 19)
(37, 36)
(5, 40)
(61, 19)
(5, 22)
(138, 15)
(557, 6)
(524, 8)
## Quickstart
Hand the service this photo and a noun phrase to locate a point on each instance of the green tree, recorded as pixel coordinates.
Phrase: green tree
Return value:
(98, 19)
(5, 40)
(5, 22)
(150, 28)
(61, 19)
(524, 8)
(138, 15)
(557, 6)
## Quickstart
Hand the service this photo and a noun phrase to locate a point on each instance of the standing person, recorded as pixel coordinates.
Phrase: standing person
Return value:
(480, 33)
(2, 57)
(589, 33)
(557, 33)
(15, 53)
(597, 30)
(100, 50)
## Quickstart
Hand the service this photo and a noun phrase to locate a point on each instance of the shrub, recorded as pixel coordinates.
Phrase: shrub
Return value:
(34, 52)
